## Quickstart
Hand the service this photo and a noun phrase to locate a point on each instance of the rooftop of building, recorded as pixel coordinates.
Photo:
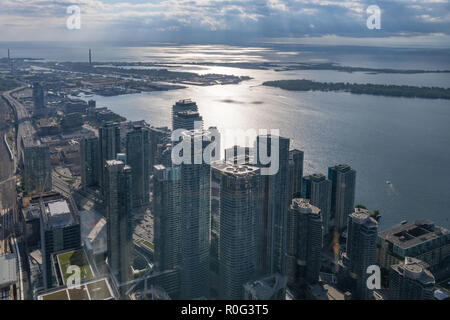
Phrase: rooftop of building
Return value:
(93, 290)
(51, 207)
(58, 207)
(56, 213)
(268, 136)
(295, 152)
(29, 141)
(239, 155)
(163, 173)
(110, 124)
(317, 177)
(265, 288)
(121, 157)
(304, 205)
(114, 162)
(325, 292)
(236, 170)
(205, 135)
(411, 234)
(415, 269)
(160, 130)
(76, 101)
(36, 256)
(74, 258)
(363, 217)
(93, 228)
(8, 269)
(31, 213)
(47, 122)
(441, 294)
(159, 167)
(341, 167)
(185, 102)
(98, 230)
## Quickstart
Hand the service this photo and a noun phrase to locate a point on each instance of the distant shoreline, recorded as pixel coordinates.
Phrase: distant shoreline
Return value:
(305, 66)
(370, 89)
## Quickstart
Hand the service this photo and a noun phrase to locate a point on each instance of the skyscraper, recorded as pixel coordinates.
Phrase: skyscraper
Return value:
(138, 158)
(237, 211)
(118, 196)
(195, 226)
(38, 96)
(295, 173)
(272, 225)
(109, 136)
(92, 104)
(317, 189)
(361, 250)
(90, 162)
(343, 179)
(304, 245)
(158, 137)
(59, 232)
(37, 167)
(411, 280)
(216, 185)
(167, 211)
(184, 113)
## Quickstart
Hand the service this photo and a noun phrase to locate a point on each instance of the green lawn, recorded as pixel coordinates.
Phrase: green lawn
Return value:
(58, 295)
(74, 258)
(148, 245)
(145, 243)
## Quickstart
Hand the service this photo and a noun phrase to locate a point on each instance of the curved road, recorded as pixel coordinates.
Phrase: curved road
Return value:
(8, 193)
(25, 127)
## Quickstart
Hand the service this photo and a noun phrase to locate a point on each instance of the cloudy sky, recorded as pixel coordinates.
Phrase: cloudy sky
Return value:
(420, 21)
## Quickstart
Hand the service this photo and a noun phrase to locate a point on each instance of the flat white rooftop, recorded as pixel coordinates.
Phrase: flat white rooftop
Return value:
(8, 269)
(59, 207)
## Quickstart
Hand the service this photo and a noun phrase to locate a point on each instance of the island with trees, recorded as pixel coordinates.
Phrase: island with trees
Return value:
(355, 88)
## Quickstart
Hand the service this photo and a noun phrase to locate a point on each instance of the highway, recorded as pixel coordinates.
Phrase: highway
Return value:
(8, 193)
(9, 163)
(25, 126)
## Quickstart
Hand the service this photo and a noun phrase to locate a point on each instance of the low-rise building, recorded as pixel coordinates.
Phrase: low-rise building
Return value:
(272, 287)
(421, 239)
(8, 270)
(411, 280)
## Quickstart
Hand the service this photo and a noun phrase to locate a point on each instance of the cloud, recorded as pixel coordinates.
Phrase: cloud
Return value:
(276, 4)
(237, 20)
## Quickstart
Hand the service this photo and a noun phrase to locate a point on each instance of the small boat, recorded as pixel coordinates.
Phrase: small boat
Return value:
(404, 222)
(388, 182)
